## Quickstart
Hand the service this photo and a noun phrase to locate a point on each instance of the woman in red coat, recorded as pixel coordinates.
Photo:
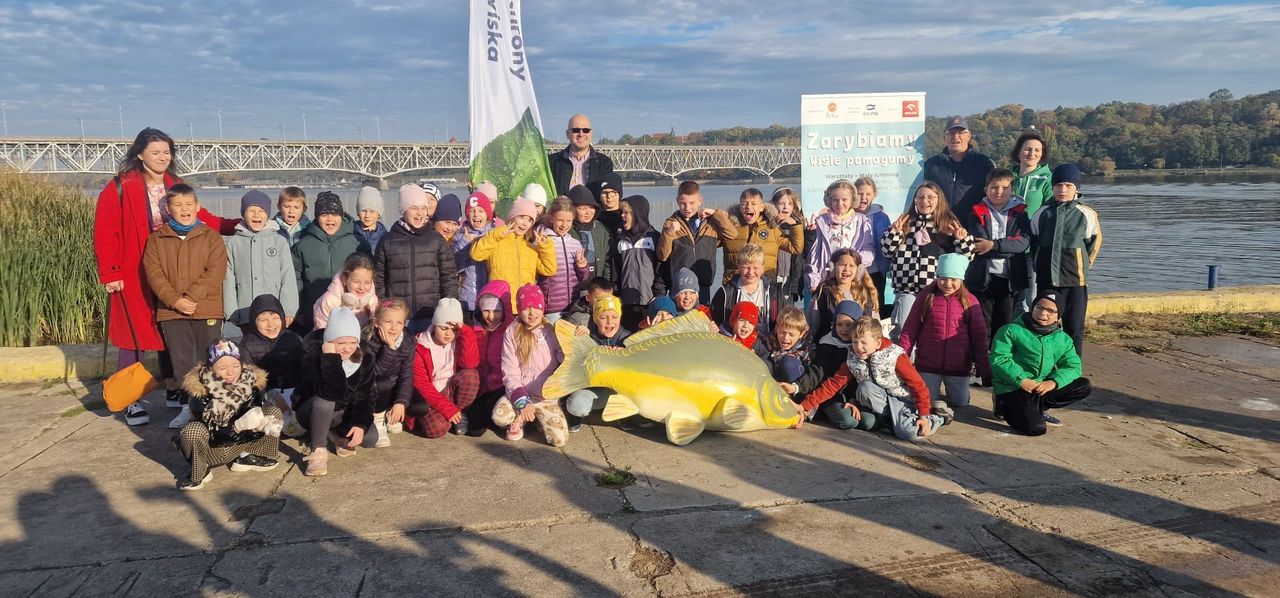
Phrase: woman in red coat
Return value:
(131, 206)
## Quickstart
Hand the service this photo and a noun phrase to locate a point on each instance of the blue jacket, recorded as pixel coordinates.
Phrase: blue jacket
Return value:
(370, 236)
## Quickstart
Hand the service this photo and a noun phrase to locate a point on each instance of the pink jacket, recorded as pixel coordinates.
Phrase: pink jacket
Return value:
(951, 339)
(561, 288)
(335, 296)
(524, 380)
(490, 342)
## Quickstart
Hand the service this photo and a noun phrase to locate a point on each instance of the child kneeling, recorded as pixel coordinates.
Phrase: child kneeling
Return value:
(885, 379)
(230, 423)
(335, 398)
(530, 354)
(1036, 368)
(446, 375)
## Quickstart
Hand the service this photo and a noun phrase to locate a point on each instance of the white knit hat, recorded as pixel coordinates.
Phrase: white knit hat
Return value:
(535, 193)
(342, 324)
(448, 311)
(369, 199)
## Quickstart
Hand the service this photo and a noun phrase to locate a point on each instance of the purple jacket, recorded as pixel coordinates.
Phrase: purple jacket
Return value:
(824, 245)
(561, 288)
(951, 338)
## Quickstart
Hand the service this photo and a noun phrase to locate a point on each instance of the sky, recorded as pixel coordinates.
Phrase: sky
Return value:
(398, 68)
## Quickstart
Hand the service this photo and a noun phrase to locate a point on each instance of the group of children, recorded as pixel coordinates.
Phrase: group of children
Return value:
(355, 329)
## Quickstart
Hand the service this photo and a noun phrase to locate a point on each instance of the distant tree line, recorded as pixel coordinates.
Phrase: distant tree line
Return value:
(1219, 131)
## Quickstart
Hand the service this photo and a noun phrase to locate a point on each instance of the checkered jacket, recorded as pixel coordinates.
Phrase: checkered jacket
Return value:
(914, 266)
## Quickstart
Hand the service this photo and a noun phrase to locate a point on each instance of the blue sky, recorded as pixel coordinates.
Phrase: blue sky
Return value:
(634, 66)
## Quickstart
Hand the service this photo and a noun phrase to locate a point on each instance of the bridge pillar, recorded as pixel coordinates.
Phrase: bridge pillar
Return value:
(381, 184)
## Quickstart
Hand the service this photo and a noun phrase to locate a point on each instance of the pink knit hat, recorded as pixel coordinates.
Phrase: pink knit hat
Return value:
(488, 189)
(412, 196)
(530, 296)
(522, 207)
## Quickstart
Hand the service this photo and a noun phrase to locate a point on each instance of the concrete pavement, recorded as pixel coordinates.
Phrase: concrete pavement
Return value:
(1166, 482)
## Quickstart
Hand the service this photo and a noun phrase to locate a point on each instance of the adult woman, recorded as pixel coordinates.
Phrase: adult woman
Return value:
(1032, 181)
(130, 206)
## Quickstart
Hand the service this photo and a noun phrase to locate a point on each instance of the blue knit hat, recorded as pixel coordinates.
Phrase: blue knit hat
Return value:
(661, 303)
(686, 280)
(255, 198)
(790, 368)
(1067, 173)
(342, 324)
(449, 208)
(847, 308)
(952, 265)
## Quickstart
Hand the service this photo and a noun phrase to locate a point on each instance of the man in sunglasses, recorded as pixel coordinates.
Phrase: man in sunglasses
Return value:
(579, 163)
(959, 169)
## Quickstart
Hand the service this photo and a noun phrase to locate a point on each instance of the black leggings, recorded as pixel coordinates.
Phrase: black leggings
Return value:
(1024, 411)
(997, 305)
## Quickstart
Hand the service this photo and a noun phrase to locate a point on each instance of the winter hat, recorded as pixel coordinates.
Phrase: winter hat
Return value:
(686, 280)
(661, 303)
(1053, 296)
(745, 309)
(481, 200)
(606, 303)
(494, 289)
(449, 208)
(522, 207)
(611, 181)
(223, 348)
(1067, 173)
(412, 196)
(536, 194)
(531, 296)
(448, 311)
(255, 198)
(328, 202)
(791, 368)
(847, 308)
(263, 303)
(369, 199)
(430, 189)
(342, 324)
(488, 189)
(952, 265)
(582, 196)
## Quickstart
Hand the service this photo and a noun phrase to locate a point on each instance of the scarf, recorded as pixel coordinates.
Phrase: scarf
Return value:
(923, 224)
(1038, 329)
(180, 229)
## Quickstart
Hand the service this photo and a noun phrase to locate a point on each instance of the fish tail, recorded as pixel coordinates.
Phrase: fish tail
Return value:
(572, 374)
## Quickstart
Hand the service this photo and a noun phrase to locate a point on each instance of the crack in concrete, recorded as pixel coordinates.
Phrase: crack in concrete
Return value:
(1199, 440)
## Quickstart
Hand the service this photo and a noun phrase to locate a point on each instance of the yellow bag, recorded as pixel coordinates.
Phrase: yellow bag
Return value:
(126, 386)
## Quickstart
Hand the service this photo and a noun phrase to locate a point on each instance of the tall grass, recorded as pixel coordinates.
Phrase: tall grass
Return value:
(49, 291)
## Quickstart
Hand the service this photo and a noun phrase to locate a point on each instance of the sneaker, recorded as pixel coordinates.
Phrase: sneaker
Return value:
(395, 428)
(136, 415)
(340, 445)
(317, 462)
(378, 436)
(291, 427)
(173, 399)
(575, 422)
(253, 463)
(575, 427)
(1050, 420)
(183, 418)
(194, 485)
(515, 431)
(943, 410)
(462, 426)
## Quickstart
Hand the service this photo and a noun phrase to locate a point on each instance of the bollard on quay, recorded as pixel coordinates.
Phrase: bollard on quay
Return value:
(1213, 277)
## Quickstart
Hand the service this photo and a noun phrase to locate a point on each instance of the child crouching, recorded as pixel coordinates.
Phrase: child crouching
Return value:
(445, 374)
(336, 395)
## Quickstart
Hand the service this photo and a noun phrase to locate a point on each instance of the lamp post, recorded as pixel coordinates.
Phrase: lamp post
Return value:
(219, 123)
(304, 126)
(377, 120)
(120, 109)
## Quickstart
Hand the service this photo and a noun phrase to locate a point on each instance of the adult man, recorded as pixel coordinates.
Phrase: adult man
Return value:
(579, 163)
(958, 169)
(690, 237)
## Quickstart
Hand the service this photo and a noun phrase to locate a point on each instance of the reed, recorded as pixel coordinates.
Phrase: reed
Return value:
(49, 291)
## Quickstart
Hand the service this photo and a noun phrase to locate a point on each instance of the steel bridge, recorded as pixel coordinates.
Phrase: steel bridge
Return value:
(373, 160)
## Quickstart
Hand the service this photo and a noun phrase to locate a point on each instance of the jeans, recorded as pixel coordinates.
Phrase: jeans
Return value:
(957, 388)
(901, 309)
(901, 415)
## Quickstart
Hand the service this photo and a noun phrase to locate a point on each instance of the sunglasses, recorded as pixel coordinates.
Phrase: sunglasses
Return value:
(580, 130)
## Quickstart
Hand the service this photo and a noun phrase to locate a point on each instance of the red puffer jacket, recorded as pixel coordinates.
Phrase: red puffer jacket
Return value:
(948, 338)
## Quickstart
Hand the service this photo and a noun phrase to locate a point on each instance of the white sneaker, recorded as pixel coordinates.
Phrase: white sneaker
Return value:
(395, 428)
(136, 415)
(378, 436)
(183, 418)
(292, 428)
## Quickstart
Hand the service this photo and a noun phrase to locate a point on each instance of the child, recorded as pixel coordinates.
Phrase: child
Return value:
(320, 254)
(841, 227)
(335, 399)
(530, 353)
(185, 261)
(448, 217)
(787, 350)
(607, 331)
(580, 311)
(595, 238)
(690, 237)
(258, 262)
(1000, 229)
(413, 262)
(830, 353)
(391, 351)
(274, 348)
(561, 288)
(608, 194)
(230, 423)
(352, 288)
(686, 292)
(445, 375)
(864, 188)
(757, 224)
(536, 194)
(291, 214)
(847, 280)
(661, 309)
(1035, 369)
(748, 285)
(635, 261)
(516, 253)
(916, 241)
(792, 274)
(1066, 238)
(472, 274)
(431, 196)
(492, 319)
(369, 211)
(948, 332)
(744, 327)
(885, 379)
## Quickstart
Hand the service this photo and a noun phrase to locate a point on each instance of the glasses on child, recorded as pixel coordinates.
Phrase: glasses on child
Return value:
(580, 130)
(1048, 310)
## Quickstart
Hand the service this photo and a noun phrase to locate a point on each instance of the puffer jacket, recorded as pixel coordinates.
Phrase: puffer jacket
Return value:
(258, 264)
(490, 341)
(322, 376)
(949, 338)
(635, 257)
(392, 370)
(281, 356)
(191, 268)
(317, 257)
(417, 266)
(962, 182)
(682, 247)
(561, 288)
(765, 232)
(466, 356)
(514, 259)
(1018, 354)
(824, 244)
(1035, 187)
(1012, 248)
(471, 274)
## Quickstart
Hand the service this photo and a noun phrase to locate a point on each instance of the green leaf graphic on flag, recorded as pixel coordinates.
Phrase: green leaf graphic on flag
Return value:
(513, 160)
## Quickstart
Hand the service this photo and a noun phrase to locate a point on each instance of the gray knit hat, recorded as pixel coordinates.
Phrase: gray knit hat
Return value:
(369, 199)
(342, 323)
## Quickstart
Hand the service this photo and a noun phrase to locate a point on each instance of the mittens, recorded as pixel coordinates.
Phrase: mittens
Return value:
(253, 419)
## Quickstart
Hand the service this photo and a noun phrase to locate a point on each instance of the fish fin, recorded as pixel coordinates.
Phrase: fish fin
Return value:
(572, 374)
(733, 413)
(682, 429)
(618, 407)
(694, 321)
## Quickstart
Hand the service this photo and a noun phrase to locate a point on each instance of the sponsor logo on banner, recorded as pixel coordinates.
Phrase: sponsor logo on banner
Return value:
(910, 109)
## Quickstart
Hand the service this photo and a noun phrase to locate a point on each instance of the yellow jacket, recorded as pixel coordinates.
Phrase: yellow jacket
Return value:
(513, 259)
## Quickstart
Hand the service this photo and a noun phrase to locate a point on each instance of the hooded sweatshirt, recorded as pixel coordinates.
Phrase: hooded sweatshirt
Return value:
(281, 356)
(490, 341)
(1035, 187)
(635, 258)
(258, 263)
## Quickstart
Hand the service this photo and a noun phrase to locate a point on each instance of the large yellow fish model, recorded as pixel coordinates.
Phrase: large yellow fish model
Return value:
(677, 373)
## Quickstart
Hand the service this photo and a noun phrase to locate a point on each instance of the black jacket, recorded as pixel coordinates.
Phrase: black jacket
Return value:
(729, 295)
(322, 376)
(281, 356)
(392, 370)
(598, 165)
(416, 266)
(828, 355)
(963, 182)
(1013, 247)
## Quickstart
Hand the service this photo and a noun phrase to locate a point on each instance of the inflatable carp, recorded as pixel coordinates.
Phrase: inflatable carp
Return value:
(677, 373)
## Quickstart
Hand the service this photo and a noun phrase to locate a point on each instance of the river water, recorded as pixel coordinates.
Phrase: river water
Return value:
(1157, 235)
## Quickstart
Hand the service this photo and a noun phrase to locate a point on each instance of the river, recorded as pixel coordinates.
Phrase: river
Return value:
(1157, 235)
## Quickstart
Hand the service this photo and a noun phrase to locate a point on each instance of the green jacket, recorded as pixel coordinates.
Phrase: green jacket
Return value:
(1065, 239)
(1035, 187)
(318, 257)
(1019, 354)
